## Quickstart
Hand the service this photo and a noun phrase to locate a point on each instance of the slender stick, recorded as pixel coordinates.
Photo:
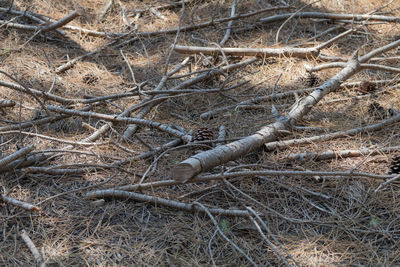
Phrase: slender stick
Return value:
(32, 248)
(319, 138)
(207, 211)
(228, 30)
(19, 203)
(113, 193)
(157, 125)
(332, 16)
(339, 154)
(244, 175)
(60, 22)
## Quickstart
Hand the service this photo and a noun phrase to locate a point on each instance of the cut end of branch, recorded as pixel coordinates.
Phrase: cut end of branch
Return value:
(186, 170)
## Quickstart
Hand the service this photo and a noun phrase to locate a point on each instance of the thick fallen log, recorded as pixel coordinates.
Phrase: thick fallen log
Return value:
(219, 155)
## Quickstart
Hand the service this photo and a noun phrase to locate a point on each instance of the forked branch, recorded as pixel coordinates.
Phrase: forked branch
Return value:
(219, 155)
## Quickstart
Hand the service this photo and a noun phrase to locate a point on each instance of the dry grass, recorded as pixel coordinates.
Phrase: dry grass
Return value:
(353, 227)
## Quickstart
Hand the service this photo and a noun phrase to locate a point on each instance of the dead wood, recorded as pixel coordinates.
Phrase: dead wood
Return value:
(119, 119)
(208, 212)
(320, 15)
(6, 103)
(299, 52)
(19, 203)
(137, 35)
(20, 153)
(212, 22)
(53, 138)
(256, 100)
(42, 29)
(158, 99)
(37, 122)
(31, 15)
(228, 30)
(205, 160)
(120, 194)
(258, 52)
(320, 138)
(342, 65)
(131, 129)
(37, 93)
(327, 155)
(248, 174)
(28, 161)
(60, 22)
(35, 252)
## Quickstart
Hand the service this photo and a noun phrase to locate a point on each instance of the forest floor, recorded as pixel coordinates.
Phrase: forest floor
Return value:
(312, 220)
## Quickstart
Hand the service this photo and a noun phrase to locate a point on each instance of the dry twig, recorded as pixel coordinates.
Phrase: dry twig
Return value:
(32, 248)
(19, 203)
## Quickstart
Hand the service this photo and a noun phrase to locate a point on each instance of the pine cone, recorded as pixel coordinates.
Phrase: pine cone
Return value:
(310, 80)
(203, 134)
(395, 165)
(367, 87)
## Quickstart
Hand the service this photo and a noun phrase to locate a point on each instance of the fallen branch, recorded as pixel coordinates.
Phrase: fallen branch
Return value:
(343, 64)
(212, 22)
(157, 125)
(320, 15)
(53, 138)
(387, 182)
(243, 175)
(27, 124)
(319, 138)
(19, 203)
(299, 52)
(137, 35)
(6, 103)
(42, 29)
(219, 155)
(19, 154)
(32, 248)
(340, 154)
(57, 171)
(37, 93)
(258, 52)
(274, 248)
(59, 23)
(228, 30)
(21, 163)
(158, 99)
(31, 15)
(256, 100)
(113, 193)
(131, 129)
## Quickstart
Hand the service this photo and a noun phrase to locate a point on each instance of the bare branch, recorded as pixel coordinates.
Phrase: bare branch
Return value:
(19, 203)
(33, 249)
(60, 22)
(332, 16)
(319, 138)
(112, 193)
(20, 153)
(207, 211)
(152, 124)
